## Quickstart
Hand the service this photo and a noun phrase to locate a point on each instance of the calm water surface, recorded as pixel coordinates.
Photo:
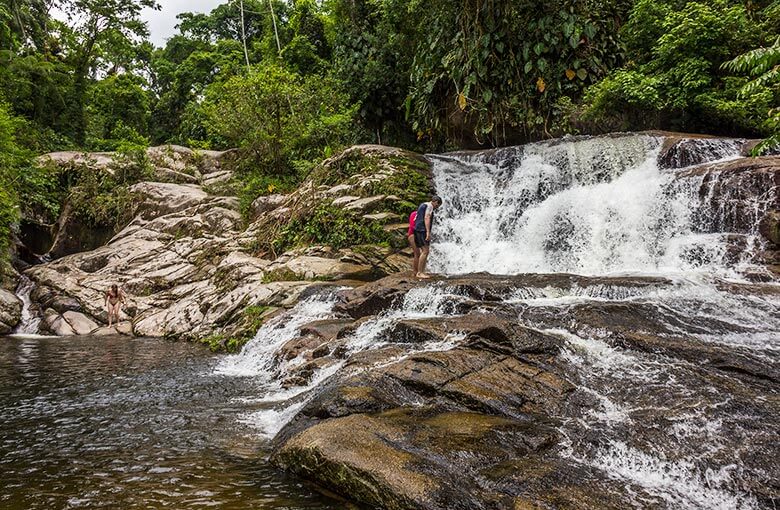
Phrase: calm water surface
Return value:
(131, 423)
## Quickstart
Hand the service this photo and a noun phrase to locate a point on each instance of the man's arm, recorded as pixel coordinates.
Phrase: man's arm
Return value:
(427, 224)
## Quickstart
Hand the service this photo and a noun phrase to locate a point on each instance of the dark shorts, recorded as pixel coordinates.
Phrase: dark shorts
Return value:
(419, 239)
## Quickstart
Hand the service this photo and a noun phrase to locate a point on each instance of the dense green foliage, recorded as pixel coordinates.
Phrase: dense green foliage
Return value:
(331, 226)
(675, 77)
(502, 69)
(281, 121)
(289, 82)
(762, 65)
(9, 162)
(404, 72)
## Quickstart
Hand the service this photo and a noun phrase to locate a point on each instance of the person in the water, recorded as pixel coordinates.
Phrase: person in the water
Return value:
(410, 238)
(114, 299)
(422, 232)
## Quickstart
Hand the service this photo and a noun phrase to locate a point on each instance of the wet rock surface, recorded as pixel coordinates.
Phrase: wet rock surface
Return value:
(533, 391)
(10, 311)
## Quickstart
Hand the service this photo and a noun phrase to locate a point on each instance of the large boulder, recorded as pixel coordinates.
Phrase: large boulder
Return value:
(161, 198)
(10, 311)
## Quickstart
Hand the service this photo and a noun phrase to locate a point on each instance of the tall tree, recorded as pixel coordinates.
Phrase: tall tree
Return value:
(99, 28)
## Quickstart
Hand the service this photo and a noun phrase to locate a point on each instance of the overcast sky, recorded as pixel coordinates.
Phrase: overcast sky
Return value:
(162, 23)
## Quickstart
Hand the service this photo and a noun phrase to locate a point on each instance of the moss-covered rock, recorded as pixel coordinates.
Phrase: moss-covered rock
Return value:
(347, 200)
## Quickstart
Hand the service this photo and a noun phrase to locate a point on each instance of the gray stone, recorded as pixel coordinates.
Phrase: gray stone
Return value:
(10, 311)
(267, 203)
(161, 198)
(347, 199)
(339, 189)
(365, 204)
(169, 175)
(383, 217)
(59, 326)
(123, 328)
(63, 304)
(80, 323)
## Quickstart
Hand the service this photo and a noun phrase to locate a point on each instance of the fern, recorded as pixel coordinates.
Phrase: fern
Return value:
(763, 66)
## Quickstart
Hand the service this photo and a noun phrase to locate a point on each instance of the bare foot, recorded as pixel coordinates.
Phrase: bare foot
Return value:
(423, 276)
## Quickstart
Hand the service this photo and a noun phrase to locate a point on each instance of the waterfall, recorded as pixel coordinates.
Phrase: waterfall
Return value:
(28, 325)
(588, 206)
(643, 414)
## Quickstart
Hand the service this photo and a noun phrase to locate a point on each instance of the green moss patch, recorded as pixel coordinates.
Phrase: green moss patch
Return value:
(331, 226)
(252, 319)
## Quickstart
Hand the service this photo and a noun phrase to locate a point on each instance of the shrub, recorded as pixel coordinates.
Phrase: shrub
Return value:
(331, 226)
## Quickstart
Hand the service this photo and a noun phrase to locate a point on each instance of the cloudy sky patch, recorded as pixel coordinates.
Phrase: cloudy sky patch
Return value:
(162, 23)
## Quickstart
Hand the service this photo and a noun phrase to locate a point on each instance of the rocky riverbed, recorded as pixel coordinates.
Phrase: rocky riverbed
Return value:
(649, 383)
(535, 391)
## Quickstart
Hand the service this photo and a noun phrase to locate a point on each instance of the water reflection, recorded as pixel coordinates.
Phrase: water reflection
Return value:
(119, 423)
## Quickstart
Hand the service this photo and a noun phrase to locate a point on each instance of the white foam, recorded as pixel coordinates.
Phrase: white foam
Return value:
(259, 355)
(259, 358)
(29, 323)
(596, 355)
(679, 483)
(595, 206)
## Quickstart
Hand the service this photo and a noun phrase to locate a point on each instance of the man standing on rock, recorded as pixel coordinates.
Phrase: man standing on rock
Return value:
(422, 232)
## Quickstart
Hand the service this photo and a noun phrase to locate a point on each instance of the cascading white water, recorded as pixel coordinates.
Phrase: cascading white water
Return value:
(592, 206)
(598, 206)
(260, 359)
(29, 323)
(257, 356)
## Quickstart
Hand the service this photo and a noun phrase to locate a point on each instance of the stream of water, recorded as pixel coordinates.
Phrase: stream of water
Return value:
(112, 422)
(119, 423)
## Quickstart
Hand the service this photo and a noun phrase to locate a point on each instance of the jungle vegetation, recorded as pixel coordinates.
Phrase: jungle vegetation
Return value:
(289, 82)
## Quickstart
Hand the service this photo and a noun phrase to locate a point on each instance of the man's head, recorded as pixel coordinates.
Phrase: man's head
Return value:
(436, 201)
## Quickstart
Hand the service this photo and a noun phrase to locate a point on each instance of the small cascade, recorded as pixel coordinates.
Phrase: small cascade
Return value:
(261, 360)
(257, 358)
(30, 321)
(589, 206)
